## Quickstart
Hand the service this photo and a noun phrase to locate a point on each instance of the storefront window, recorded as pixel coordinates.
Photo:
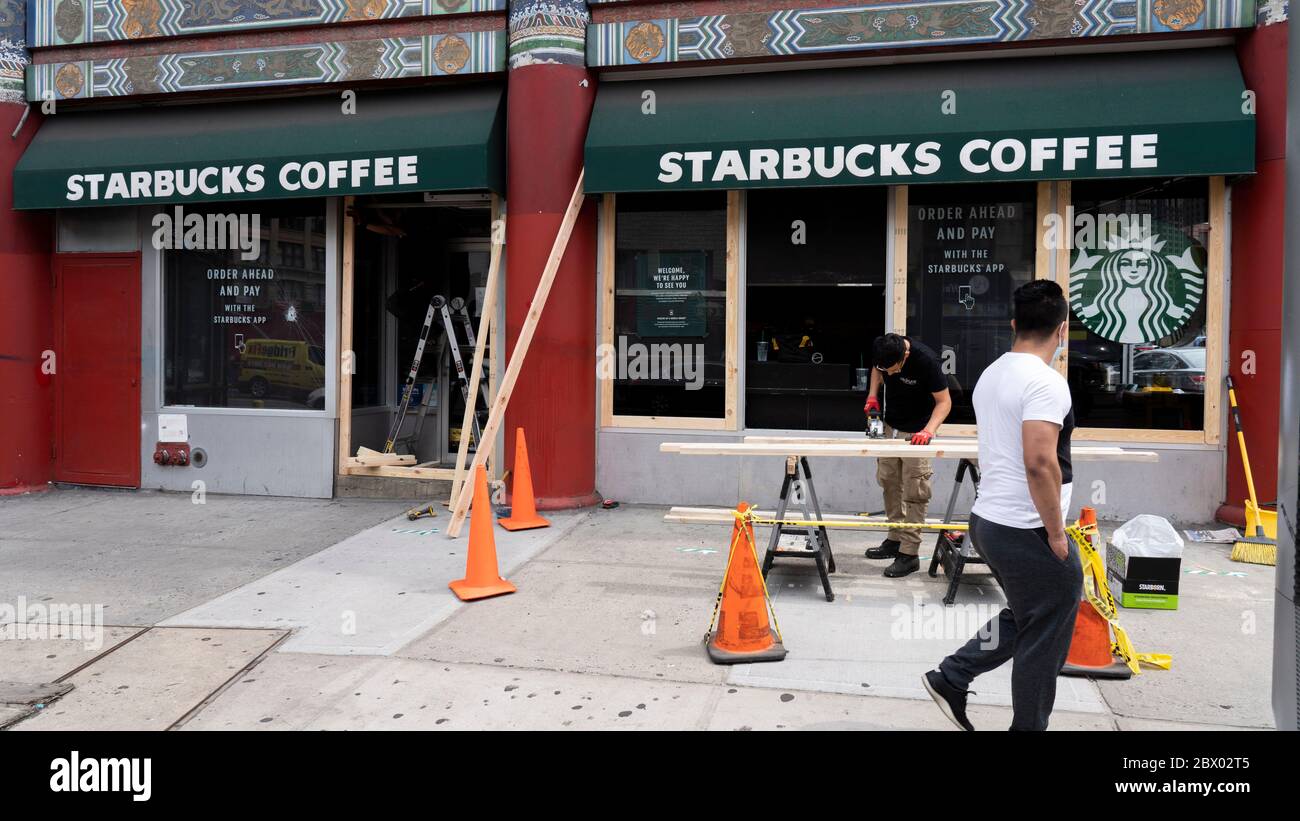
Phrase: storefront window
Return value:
(668, 355)
(244, 316)
(968, 248)
(1137, 298)
(815, 301)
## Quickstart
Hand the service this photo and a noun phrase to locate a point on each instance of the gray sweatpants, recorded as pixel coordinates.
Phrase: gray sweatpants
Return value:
(1035, 627)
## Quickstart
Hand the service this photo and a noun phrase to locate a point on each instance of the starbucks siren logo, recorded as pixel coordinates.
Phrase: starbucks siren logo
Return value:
(1136, 285)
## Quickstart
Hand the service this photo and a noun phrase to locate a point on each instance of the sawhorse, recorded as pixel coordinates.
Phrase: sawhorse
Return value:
(952, 550)
(815, 542)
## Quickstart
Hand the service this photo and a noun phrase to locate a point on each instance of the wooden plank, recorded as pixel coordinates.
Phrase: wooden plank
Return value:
(608, 238)
(1139, 436)
(367, 457)
(461, 506)
(399, 472)
(476, 372)
(671, 422)
(344, 403)
(1214, 316)
(1047, 265)
(724, 515)
(899, 325)
(496, 344)
(731, 356)
(878, 448)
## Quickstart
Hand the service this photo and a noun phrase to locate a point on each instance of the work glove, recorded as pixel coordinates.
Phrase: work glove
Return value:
(872, 406)
(921, 438)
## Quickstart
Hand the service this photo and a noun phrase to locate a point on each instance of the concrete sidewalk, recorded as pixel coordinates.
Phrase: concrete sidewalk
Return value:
(278, 614)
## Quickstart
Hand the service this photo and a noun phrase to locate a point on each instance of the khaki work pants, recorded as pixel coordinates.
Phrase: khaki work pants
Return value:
(907, 487)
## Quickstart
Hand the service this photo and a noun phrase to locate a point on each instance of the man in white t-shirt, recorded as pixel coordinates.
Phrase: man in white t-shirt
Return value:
(1025, 417)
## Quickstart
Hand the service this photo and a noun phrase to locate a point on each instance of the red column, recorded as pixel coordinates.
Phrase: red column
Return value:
(549, 105)
(26, 314)
(1255, 320)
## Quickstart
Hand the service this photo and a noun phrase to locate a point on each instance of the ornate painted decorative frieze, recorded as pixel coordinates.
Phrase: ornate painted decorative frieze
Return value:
(548, 31)
(13, 50)
(899, 24)
(67, 22)
(335, 62)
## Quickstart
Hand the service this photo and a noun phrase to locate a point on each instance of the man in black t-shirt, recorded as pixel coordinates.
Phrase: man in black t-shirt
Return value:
(916, 401)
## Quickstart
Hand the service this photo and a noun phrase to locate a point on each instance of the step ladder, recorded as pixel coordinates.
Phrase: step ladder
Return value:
(438, 306)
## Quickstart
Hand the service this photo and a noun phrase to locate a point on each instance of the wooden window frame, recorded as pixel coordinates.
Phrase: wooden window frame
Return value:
(731, 413)
(1054, 198)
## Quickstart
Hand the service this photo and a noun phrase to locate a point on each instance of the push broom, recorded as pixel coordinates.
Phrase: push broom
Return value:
(1255, 547)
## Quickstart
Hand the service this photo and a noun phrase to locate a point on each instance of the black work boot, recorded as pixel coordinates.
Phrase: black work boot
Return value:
(903, 565)
(888, 549)
(950, 700)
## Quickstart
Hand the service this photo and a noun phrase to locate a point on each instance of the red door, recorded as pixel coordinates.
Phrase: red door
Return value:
(97, 376)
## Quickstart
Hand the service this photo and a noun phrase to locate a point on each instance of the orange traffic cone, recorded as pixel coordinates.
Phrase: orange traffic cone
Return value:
(523, 507)
(744, 633)
(1090, 648)
(481, 576)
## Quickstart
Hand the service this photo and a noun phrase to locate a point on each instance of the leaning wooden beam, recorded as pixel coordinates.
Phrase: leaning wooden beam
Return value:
(507, 386)
(476, 373)
(889, 449)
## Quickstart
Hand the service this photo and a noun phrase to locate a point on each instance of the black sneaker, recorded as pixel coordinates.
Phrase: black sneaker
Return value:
(888, 549)
(951, 700)
(903, 565)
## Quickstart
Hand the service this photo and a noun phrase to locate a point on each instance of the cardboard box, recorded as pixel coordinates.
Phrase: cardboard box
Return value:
(1142, 582)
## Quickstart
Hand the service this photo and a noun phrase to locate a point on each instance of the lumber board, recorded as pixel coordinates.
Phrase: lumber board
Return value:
(876, 448)
(476, 372)
(461, 505)
(725, 515)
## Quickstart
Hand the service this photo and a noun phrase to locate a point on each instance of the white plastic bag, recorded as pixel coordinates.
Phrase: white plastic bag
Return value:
(1149, 536)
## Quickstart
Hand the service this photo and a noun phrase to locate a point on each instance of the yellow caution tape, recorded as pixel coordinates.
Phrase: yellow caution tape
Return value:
(1097, 591)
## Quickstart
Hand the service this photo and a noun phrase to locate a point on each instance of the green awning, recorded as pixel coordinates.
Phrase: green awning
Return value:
(450, 138)
(1167, 113)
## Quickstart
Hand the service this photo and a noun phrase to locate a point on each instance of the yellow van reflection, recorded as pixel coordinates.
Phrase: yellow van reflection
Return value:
(280, 366)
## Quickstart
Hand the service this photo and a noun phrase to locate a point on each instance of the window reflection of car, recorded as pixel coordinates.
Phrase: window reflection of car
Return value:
(280, 366)
(1093, 368)
(1178, 369)
(1169, 371)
